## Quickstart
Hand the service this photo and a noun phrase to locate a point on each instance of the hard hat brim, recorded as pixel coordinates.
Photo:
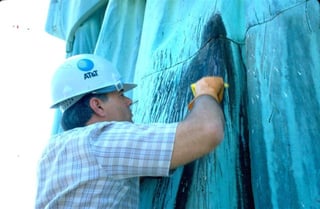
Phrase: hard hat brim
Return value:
(128, 86)
(73, 100)
(125, 87)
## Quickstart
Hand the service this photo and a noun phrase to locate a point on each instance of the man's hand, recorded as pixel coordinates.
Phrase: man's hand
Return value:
(213, 86)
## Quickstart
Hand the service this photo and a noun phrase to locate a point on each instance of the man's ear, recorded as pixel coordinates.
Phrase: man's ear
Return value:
(96, 105)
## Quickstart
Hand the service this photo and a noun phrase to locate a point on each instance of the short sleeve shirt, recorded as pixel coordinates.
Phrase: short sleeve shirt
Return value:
(99, 166)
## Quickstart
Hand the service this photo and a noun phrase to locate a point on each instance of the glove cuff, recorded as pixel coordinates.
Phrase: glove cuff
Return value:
(190, 105)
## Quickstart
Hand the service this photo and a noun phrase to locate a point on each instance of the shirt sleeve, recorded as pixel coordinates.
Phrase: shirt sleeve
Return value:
(125, 149)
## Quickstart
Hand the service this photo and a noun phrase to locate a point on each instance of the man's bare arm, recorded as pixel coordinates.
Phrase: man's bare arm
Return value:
(201, 131)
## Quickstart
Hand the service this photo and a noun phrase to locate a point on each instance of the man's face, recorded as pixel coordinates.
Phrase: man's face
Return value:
(117, 107)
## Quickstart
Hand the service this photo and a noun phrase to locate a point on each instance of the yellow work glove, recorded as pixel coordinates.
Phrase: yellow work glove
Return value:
(213, 86)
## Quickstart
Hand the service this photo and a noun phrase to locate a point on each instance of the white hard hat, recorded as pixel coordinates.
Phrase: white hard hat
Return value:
(83, 74)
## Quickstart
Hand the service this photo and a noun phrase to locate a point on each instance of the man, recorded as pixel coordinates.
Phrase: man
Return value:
(97, 161)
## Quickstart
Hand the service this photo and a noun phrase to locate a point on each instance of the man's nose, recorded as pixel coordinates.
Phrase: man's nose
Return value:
(128, 101)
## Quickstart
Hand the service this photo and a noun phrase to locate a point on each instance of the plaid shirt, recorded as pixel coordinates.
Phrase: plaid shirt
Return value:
(99, 166)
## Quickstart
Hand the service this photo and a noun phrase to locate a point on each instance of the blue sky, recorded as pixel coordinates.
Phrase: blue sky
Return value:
(28, 58)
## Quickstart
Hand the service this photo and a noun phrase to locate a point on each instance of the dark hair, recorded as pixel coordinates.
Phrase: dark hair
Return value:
(78, 114)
